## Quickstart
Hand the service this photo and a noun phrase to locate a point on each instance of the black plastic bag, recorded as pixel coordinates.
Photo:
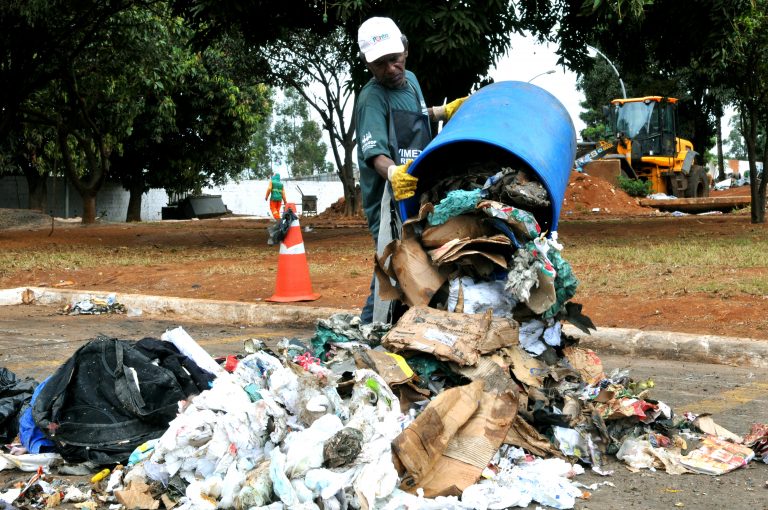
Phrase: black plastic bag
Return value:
(110, 397)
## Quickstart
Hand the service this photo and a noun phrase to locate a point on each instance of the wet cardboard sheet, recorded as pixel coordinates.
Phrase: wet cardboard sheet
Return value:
(451, 442)
(460, 338)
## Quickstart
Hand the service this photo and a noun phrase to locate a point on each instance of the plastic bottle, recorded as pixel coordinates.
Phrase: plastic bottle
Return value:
(100, 475)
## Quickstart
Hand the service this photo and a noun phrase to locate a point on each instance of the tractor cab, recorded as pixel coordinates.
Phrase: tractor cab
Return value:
(644, 126)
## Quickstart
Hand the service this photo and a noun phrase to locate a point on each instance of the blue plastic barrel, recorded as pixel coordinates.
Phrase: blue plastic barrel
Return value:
(509, 123)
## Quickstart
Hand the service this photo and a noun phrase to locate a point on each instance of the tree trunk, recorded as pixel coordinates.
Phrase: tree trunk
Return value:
(749, 131)
(134, 204)
(38, 189)
(720, 163)
(352, 201)
(89, 208)
(87, 186)
(758, 187)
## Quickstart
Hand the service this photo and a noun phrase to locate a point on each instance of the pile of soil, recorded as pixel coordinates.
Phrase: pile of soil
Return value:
(593, 196)
(335, 210)
(334, 216)
(23, 218)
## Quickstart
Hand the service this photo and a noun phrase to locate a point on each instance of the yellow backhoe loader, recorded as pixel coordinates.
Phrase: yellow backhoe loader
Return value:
(647, 147)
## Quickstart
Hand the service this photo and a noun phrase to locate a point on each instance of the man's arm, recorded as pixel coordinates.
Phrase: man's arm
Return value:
(381, 164)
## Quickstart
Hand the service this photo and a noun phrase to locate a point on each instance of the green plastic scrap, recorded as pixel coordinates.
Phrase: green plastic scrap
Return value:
(374, 386)
(322, 337)
(456, 203)
(253, 391)
(565, 283)
(424, 366)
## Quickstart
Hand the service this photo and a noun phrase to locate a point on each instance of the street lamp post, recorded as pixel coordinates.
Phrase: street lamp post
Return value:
(594, 51)
(541, 74)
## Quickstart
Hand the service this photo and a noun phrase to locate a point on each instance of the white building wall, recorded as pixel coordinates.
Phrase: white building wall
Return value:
(247, 197)
(244, 198)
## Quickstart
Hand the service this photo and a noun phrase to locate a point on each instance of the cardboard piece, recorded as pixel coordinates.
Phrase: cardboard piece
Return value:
(137, 496)
(492, 372)
(450, 443)
(543, 294)
(523, 435)
(391, 367)
(406, 262)
(464, 226)
(586, 362)
(496, 249)
(706, 424)
(717, 456)
(450, 336)
(527, 369)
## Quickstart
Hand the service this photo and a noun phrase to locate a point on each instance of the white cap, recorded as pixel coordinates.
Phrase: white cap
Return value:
(378, 37)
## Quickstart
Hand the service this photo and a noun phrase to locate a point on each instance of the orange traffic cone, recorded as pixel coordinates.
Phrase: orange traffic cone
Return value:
(293, 282)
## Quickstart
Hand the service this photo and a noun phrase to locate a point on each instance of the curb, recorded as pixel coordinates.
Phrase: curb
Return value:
(671, 346)
(265, 314)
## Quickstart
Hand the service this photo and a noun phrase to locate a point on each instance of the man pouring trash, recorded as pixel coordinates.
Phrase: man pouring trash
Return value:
(393, 127)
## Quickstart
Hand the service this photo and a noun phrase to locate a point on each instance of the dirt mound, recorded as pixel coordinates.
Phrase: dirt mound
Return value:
(588, 195)
(335, 209)
(334, 216)
(23, 218)
(739, 191)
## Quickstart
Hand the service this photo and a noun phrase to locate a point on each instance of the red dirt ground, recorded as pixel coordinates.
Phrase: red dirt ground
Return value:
(344, 281)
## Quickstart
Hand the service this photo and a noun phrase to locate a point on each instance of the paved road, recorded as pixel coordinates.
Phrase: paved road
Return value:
(35, 340)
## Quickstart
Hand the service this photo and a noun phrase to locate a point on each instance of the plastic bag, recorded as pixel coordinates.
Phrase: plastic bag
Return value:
(480, 296)
(279, 230)
(304, 449)
(281, 486)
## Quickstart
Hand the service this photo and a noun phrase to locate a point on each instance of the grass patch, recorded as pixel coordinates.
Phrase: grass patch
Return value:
(694, 265)
(83, 257)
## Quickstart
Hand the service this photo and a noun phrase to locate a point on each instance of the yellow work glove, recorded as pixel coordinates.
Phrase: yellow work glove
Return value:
(446, 112)
(451, 107)
(403, 184)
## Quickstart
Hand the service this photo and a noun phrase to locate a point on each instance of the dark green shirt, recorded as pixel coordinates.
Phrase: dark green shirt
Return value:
(371, 116)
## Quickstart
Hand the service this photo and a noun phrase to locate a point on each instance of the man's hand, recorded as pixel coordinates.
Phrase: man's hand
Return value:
(446, 112)
(403, 184)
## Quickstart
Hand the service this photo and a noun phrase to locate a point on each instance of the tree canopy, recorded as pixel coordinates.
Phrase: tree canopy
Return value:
(121, 88)
(296, 139)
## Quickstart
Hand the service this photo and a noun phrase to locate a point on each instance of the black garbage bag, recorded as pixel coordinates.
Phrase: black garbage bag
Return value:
(113, 395)
(15, 393)
(279, 230)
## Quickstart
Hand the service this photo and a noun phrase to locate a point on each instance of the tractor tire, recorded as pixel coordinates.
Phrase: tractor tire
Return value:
(698, 183)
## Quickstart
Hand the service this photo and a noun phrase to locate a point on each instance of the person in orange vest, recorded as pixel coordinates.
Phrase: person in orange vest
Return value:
(275, 195)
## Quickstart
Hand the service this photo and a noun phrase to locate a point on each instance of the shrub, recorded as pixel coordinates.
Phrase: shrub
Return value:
(634, 187)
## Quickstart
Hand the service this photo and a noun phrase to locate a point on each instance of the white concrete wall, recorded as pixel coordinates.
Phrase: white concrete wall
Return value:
(245, 197)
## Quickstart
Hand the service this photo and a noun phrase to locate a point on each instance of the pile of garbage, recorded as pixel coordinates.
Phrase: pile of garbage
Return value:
(474, 397)
(95, 306)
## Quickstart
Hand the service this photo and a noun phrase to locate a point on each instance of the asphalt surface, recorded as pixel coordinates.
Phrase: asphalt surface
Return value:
(36, 340)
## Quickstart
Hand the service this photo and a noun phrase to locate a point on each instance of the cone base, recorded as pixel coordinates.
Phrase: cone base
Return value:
(289, 299)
